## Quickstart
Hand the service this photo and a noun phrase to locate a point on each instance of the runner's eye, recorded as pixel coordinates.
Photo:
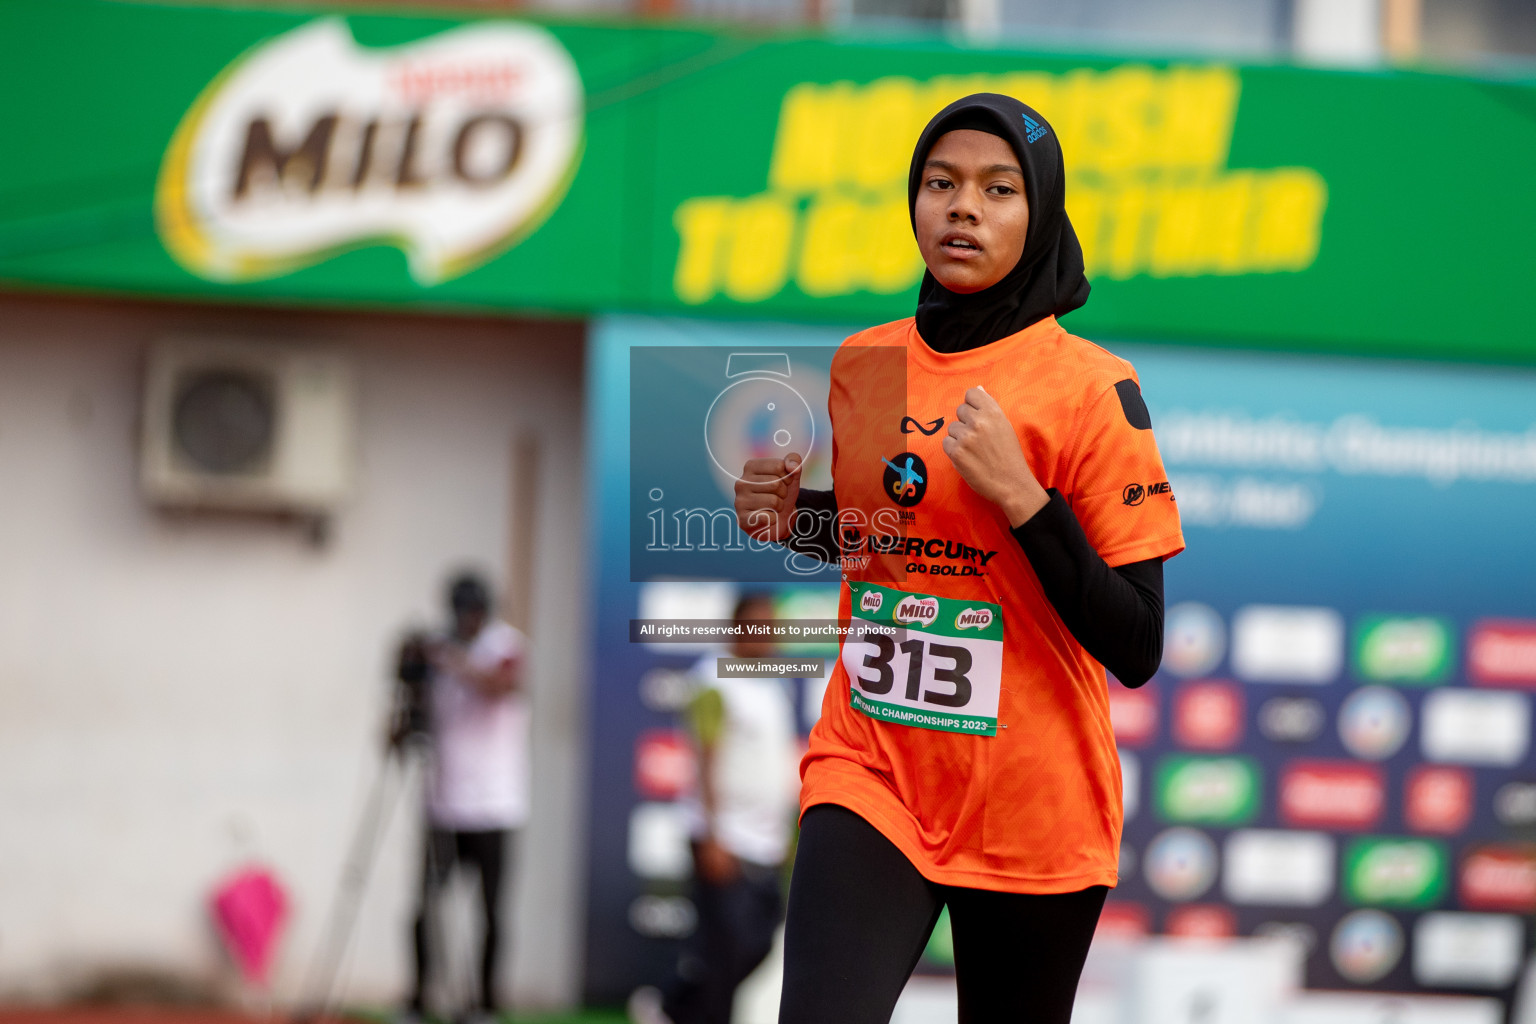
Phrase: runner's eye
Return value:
(940, 183)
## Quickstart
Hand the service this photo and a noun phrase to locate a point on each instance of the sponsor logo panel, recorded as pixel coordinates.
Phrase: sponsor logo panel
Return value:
(664, 765)
(1201, 921)
(1499, 877)
(1208, 716)
(1515, 804)
(1467, 950)
(1395, 872)
(663, 917)
(1402, 649)
(1438, 799)
(1303, 936)
(1291, 719)
(1503, 653)
(1374, 722)
(1123, 919)
(1278, 867)
(1366, 945)
(1287, 644)
(1194, 639)
(1180, 864)
(451, 148)
(658, 842)
(1210, 790)
(1133, 714)
(1130, 782)
(1476, 727)
(1128, 861)
(1332, 794)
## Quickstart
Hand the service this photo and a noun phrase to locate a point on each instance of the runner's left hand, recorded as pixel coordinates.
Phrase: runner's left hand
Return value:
(986, 453)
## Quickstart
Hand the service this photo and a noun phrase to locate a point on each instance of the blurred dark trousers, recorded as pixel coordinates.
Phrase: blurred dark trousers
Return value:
(734, 934)
(488, 853)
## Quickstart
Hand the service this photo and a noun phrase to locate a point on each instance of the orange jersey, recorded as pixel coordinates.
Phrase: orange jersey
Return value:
(963, 720)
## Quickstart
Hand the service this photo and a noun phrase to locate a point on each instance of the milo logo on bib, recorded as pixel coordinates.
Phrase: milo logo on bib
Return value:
(929, 662)
(974, 618)
(920, 611)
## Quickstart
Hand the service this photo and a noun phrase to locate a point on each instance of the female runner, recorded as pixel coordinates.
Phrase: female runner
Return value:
(964, 756)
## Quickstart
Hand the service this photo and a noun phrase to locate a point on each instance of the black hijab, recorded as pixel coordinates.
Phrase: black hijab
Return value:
(1048, 279)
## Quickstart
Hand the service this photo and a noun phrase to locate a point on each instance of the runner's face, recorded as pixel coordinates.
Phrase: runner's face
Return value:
(971, 212)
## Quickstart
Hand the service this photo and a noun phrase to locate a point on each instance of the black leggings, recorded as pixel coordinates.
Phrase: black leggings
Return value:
(860, 915)
(487, 853)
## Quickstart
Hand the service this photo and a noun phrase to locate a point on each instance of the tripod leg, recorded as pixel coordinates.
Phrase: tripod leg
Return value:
(342, 917)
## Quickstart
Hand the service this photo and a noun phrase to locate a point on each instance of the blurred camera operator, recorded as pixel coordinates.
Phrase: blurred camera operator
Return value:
(471, 706)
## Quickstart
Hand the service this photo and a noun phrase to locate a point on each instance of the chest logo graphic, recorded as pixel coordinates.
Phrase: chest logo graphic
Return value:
(908, 424)
(906, 479)
(921, 611)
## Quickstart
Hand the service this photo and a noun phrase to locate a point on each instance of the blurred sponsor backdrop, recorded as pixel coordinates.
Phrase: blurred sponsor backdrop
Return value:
(455, 261)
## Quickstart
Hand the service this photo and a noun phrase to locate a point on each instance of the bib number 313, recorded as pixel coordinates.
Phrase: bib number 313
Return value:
(923, 661)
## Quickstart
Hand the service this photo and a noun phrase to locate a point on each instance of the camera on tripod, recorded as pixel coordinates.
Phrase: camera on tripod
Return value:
(410, 719)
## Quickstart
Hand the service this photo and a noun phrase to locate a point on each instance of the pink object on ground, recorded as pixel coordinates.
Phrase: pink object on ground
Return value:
(250, 908)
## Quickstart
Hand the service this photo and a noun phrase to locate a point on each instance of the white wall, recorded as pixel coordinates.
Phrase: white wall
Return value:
(169, 683)
(1343, 32)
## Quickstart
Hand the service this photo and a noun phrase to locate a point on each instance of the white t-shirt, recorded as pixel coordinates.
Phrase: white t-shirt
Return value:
(479, 778)
(756, 769)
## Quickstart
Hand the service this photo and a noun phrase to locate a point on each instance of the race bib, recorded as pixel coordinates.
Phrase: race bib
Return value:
(928, 662)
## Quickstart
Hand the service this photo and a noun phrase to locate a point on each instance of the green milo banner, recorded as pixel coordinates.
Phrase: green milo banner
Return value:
(491, 163)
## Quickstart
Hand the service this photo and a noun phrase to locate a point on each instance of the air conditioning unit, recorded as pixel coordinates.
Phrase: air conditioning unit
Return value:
(240, 424)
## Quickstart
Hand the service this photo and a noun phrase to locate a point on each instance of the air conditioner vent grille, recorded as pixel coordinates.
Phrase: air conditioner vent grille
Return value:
(248, 424)
(225, 420)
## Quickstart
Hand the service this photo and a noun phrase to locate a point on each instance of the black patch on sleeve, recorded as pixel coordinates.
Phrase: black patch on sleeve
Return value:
(1130, 402)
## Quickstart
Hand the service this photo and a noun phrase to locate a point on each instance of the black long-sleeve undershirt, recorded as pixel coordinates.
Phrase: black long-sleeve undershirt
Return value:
(1116, 613)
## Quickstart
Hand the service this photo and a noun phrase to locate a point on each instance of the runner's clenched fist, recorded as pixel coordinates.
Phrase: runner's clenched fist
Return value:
(985, 452)
(765, 496)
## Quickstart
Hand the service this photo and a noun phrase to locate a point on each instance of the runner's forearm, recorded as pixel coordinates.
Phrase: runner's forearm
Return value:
(1116, 614)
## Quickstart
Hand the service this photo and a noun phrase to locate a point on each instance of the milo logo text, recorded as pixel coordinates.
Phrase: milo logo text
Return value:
(871, 600)
(974, 618)
(919, 611)
(450, 148)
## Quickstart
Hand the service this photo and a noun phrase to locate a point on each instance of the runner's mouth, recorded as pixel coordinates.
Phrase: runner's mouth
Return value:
(960, 246)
